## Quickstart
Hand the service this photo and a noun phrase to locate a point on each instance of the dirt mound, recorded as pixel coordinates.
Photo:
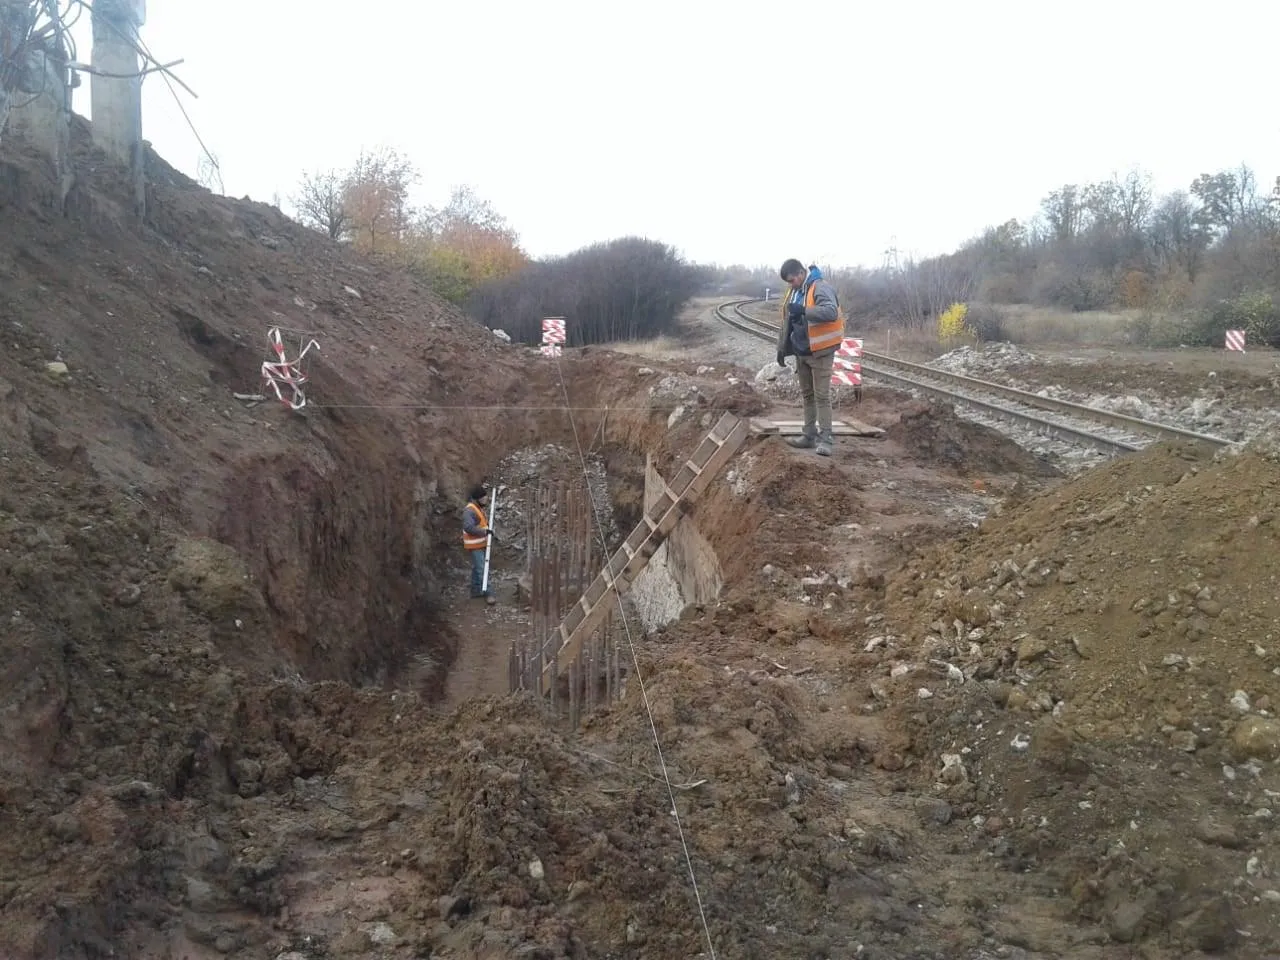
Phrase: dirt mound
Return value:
(1122, 676)
(938, 436)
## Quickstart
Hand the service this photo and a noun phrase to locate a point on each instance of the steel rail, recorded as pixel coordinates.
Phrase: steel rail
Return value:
(916, 376)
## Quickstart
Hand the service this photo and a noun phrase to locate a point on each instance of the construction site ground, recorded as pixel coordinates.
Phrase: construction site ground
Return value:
(950, 704)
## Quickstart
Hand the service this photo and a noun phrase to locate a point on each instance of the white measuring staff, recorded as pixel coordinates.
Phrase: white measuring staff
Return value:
(493, 516)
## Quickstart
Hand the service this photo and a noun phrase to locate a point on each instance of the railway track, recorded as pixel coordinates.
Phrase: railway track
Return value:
(1107, 432)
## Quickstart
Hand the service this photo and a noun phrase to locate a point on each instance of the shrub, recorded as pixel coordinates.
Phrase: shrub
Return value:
(986, 323)
(951, 324)
(628, 289)
(1255, 312)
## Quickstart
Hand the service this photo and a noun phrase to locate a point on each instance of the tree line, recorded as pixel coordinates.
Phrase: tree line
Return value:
(455, 248)
(625, 289)
(1190, 264)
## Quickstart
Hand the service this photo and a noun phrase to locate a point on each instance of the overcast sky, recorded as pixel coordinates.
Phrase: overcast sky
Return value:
(735, 131)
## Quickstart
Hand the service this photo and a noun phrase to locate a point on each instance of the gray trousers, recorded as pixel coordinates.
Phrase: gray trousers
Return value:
(814, 374)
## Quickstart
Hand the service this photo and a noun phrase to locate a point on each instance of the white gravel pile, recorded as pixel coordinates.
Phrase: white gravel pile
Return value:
(984, 358)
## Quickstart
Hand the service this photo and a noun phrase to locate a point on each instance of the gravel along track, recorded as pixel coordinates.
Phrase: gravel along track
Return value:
(1077, 435)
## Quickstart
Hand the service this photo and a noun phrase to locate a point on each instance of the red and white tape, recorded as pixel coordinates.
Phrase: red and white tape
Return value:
(286, 373)
(846, 369)
(1235, 340)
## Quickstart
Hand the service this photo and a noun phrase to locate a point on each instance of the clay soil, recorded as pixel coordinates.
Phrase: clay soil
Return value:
(231, 721)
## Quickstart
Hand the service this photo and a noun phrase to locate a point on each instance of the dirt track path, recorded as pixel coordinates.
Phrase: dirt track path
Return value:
(484, 634)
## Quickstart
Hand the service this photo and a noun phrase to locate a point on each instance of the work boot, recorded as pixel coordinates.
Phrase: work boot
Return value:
(490, 599)
(823, 448)
(803, 442)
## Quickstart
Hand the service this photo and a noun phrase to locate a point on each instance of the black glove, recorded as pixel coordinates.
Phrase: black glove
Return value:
(782, 358)
(492, 536)
(795, 310)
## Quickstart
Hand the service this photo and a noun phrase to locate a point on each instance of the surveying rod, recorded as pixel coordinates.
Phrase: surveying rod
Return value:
(493, 516)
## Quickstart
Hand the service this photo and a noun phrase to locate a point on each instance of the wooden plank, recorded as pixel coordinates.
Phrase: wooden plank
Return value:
(762, 427)
(864, 429)
(840, 428)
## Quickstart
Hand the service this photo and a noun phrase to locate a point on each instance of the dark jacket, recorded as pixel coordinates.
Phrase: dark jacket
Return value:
(793, 338)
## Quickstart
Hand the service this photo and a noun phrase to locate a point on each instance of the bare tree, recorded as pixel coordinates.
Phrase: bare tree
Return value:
(1134, 197)
(1227, 199)
(1064, 210)
(321, 203)
(925, 288)
(1178, 238)
(209, 173)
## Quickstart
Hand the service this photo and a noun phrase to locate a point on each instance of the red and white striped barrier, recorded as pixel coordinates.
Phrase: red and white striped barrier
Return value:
(848, 378)
(1235, 340)
(286, 373)
(846, 368)
(550, 349)
(553, 330)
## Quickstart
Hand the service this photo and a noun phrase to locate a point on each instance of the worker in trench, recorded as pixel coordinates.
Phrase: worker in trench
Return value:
(475, 538)
(812, 328)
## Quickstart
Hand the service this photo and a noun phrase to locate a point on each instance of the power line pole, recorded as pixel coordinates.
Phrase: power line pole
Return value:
(891, 264)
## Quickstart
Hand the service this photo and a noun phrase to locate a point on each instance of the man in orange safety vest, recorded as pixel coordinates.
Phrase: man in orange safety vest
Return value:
(475, 538)
(812, 328)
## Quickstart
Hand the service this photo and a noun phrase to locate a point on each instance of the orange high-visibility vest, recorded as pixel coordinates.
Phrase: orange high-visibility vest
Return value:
(473, 541)
(822, 336)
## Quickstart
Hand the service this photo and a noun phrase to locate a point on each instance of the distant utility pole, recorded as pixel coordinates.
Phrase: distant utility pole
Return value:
(891, 264)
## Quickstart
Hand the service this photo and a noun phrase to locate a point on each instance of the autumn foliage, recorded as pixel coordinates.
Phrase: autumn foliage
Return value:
(456, 248)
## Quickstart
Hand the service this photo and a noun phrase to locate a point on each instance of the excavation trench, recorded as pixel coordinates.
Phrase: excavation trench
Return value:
(358, 575)
(618, 484)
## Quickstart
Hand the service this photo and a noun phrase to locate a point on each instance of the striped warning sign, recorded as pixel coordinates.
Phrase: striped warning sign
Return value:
(848, 378)
(553, 330)
(1235, 340)
(846, 368)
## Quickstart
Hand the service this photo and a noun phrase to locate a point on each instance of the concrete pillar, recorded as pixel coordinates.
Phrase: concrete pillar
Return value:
(42, 118)
(14, 28)
(116, 101)
(35, 99)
